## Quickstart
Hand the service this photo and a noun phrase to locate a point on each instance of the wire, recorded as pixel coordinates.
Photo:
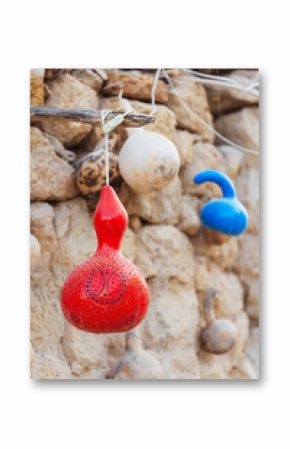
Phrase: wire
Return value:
(153, 92)
(206, 125)
(105, 113)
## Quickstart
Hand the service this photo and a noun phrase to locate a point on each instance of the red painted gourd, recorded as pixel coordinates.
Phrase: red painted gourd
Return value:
(106, 293)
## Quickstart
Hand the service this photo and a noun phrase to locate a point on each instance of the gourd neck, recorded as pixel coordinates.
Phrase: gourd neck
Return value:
(110, 220)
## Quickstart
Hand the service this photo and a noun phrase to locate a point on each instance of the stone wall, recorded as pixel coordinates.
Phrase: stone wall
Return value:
(165, 238)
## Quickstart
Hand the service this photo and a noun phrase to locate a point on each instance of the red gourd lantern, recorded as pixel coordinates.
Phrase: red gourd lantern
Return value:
(106, 293)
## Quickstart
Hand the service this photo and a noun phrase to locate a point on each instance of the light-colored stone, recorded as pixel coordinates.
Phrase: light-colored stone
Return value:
(67, 92)
(158, 207)
(37, 87)
(135, 85)
(214, 366)
(204, 157)
(35, 251)
(241, 127)
(252, 299)
(232, 160)
(89, 77)
(247, 262)
(86, 351)
(252, 349)
(184, 141)
(189, 217)
(164, 251)
(129, 245)
(51, 177)
(180, 363)
(227, 284)
(172, 318)
(195, 97)
(225, 254)
(49, 363)
(248, 193)
(77, 239)
(225, 99)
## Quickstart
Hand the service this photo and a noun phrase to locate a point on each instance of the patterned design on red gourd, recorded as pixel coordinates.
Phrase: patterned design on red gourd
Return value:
(106, 293)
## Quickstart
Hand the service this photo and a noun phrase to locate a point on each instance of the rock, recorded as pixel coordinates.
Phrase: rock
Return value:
(35, 251)
(135, 85)
(180, 363)
(224, 99)
(243, 370)
(241, 127)
(86, 351)
(90, 77)
(158, 207)
(248, 193)
(214, 366)
(77, 240)
(67, 92)
(224, 254)
(129, 245)
(184, 141)
(230, 291)
(252, 349)
(241, 321)
(189, 221)
(135, 222)
(232, 160)
(252, 298)
(42, 227)
(204, 157)
(247, 262)
(195, 97)
(37, 87)
(218, 337)
(172, 317)
(52, 178)
(50, 363)
(165, 120)
(136, 363)
(163, 251)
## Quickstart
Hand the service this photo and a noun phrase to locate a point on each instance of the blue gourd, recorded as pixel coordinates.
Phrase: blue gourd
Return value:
(226, 214)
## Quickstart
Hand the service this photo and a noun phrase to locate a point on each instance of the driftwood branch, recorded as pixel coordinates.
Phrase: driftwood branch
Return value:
(132, 120)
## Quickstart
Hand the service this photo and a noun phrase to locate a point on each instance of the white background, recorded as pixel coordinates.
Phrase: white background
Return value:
(144, 415)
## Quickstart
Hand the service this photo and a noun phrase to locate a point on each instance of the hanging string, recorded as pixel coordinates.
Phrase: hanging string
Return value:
(206, 125)
(204, 78)
(105, 113)
(153, 91)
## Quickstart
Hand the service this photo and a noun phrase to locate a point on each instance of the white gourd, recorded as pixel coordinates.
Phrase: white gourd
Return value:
(148, 161)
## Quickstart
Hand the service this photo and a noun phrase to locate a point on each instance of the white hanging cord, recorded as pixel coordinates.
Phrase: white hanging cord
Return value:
(203, 78)
(105, 113)
(153, 91)
(206, 125)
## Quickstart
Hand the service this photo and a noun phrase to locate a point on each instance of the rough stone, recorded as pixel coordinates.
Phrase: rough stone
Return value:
(248, 193)
(225, 255)
(35, 251)
(241, 127)
(52, 178)
(180, 363)
(164, 251)
(172, 317)
(230, 291)
(195, 97)
(252, 298)
(247, 262)
(37, 87)
(184, 141)
(158, 207)
(49, 362)
(189, 218)
(86, 351)
(232, 160)
(90, 77)
(224, 99)
(204, 157)
(135, 85)
(67, 92)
